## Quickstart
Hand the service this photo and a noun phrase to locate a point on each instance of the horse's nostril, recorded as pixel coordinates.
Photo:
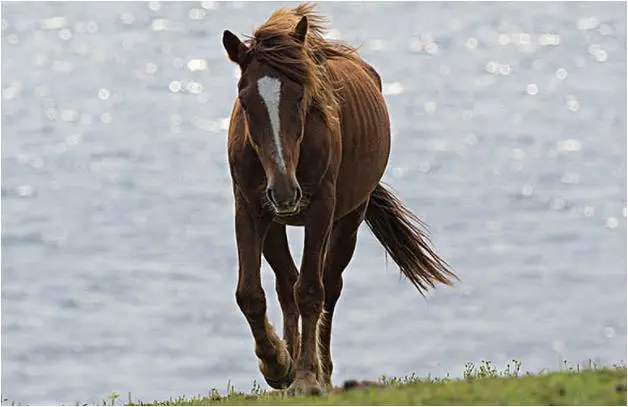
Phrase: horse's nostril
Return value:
(297, 194)
(284, 199)
(271, 195)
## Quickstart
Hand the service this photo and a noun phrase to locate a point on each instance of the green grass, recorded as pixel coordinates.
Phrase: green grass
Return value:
(482, 384)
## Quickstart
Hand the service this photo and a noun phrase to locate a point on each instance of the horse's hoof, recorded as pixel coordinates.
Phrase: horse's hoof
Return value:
(284, 382)
(305, 388)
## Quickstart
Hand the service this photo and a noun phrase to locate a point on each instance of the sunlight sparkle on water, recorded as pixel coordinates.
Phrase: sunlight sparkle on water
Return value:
(65, 34)
(53, 23)
(194, 87)
(332, 34)
(175, 86)
(561, 73)
(430, 107)
(377, 44)
(558, 204)
(588, 23)
(431, 48)
(569, 145)
(398, 172)
(597, 52)
(612, 222)
(588, 211)
(549, 40)
(415, 45)
(209, 5)
(470, 139)
(92, 27)
(159, 24)
(127, 18)
(154, 5)
(197, 64)
(572, 103)
(69, 115)
(150, 68)
(106, 118)
(570, 178)
(197, 14)
(394, 88)
(497, 68)
(103, 94)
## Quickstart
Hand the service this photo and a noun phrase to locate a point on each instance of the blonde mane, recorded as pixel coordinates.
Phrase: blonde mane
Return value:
(273, 43)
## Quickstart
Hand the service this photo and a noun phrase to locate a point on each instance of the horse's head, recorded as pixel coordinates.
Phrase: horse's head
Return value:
(273, 107)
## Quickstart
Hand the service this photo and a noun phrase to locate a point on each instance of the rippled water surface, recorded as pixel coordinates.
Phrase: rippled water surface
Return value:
(118, 256)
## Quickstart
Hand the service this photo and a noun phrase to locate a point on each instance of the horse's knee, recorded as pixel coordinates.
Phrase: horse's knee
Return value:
(333, 288)
(251, 300)
(284, 286)
(309, 296)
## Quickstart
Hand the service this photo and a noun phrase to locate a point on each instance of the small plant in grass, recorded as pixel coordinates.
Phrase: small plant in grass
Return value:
(487, 369)
(112, 398)
(396, 381)
(512, 370)
(257, 390)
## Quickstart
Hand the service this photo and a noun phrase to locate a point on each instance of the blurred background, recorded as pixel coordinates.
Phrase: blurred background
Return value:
(118, 250)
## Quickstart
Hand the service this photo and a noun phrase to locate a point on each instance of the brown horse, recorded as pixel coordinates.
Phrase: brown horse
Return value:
(309, 141)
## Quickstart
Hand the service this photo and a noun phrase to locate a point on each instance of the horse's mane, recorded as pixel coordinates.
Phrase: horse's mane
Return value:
(273, 43)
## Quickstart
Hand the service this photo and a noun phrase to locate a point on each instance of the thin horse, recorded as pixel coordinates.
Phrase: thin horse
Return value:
(309, 141)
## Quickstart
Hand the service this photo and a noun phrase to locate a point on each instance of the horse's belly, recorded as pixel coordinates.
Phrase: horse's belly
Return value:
(365, 152)
(365, 132)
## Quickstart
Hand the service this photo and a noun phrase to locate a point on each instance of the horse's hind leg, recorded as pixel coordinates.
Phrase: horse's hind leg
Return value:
(342, 246)
(274, 359)
(277, 254)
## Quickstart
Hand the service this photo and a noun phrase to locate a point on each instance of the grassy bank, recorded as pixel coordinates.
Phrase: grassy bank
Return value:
(482, 385)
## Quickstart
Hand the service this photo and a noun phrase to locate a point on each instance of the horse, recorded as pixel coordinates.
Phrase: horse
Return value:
(308, 144)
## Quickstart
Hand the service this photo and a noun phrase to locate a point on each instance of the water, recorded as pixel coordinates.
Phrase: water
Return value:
(119, 263)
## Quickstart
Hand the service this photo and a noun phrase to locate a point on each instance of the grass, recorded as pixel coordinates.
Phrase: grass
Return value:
(482, 384)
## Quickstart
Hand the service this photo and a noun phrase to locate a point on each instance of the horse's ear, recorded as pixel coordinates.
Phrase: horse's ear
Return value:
(234, 47)
(301, 30)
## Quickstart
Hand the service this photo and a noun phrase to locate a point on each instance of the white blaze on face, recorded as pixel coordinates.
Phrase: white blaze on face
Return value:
(270, 90)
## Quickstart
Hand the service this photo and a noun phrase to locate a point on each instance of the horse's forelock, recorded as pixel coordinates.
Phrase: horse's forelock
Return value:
(274, 43)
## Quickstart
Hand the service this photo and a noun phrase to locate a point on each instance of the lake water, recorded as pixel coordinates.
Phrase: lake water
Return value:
(118, 250)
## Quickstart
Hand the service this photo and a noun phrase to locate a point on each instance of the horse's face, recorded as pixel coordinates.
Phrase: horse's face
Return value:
(272, 105)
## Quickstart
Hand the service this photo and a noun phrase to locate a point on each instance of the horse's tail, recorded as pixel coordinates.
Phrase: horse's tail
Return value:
(399, 231)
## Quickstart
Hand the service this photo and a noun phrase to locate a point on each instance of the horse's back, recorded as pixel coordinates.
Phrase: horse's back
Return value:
(365, 131)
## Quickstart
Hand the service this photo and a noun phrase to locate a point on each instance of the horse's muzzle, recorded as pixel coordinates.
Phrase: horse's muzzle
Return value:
(285, 201)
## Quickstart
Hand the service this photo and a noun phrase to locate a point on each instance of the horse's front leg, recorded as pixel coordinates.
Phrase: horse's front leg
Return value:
(277, 254)
(275, 362)
(309, 293)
